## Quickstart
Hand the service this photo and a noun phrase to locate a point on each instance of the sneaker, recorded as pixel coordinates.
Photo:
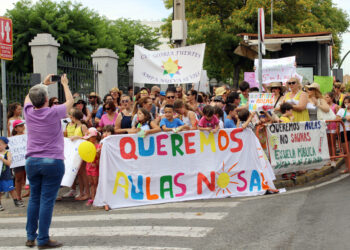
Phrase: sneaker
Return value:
(18, 203)
(71, 194)
(89, 202)
(1, 208)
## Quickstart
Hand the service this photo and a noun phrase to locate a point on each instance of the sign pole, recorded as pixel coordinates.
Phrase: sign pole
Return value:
(4, 101)
(260, 55)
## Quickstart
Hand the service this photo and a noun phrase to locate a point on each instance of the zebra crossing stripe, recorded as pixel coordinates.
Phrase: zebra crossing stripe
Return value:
(103, 248)
(116, 231)
(131, 216)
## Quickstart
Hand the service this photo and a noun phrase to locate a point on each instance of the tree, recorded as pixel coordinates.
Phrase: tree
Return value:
(79, 30)
(216, 23)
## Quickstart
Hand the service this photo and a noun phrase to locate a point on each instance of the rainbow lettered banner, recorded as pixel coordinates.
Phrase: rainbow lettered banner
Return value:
(169, 167)
(261, 101)
(297, 146)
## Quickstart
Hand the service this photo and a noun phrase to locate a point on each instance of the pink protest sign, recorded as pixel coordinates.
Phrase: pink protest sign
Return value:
(250, 78)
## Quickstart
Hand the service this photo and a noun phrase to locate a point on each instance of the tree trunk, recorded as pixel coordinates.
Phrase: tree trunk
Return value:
(236, 76)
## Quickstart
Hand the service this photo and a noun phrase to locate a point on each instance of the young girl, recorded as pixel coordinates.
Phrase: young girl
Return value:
(92, 168)
(14, 113)
(71, 126)
(20, 173)
(344, 115)
(332, 126)
(6, 179)
(145, 125)
(209, 122)
(107, 131)
(220, 115)
(79, 131)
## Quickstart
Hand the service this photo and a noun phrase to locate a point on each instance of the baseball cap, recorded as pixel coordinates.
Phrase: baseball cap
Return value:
(5, 140)
(91, 132)
(18, 123)
(162, 93)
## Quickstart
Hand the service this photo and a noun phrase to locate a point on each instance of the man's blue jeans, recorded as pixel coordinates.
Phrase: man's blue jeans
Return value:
(44, 175)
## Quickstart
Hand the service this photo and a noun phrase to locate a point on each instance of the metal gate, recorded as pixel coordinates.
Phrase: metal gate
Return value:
(82, 76)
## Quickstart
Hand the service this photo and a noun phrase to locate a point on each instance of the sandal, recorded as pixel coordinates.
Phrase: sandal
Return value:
(345, 171)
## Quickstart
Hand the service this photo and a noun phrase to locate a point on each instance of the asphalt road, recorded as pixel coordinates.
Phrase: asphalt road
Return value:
(308, 218)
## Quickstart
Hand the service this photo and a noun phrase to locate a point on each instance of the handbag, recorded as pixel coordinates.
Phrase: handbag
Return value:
(325, 116)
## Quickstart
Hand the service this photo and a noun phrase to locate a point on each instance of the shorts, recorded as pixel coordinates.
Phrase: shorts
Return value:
(92, 171)
(6, 185)
(18, 169)
(343, 137)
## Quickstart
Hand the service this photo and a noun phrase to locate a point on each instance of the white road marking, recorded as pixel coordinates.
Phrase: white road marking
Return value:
(132, 216)
(103, 248)
(184, 205)
(116, 231)
(336, 179)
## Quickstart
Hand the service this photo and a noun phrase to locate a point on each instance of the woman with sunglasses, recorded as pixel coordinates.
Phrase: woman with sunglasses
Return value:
(124, 119)
(53, 101)
(298, 99)
(110, 117)
(192, 100)
(338, 95)
(315, 101)
(80, 104)
(116, 93)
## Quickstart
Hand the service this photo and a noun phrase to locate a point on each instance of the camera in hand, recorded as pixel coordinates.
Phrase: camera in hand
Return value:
(55, 78)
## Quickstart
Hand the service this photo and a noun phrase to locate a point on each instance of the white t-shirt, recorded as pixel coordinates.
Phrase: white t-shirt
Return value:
(341, 113)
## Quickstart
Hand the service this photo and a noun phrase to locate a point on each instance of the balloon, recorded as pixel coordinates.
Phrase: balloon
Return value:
(87, 151)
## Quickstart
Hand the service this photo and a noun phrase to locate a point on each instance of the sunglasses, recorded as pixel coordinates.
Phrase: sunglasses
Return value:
(124, 101)
(108, 108)
(143, 92)
(153, 99)
(310, 89)
(292, 83)
(217, 101)
(171, 97)
(91, 97)
(178, 91)
(56, 102)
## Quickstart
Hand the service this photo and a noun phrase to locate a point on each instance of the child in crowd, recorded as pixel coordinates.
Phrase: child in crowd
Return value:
(143, 124)
(92, 168)
(71, 126)
(229, 121)
(209, 122)
(219, 113)
(107, 131)
(6, 179)
(287, 112)
(245, 119)
(169, 123)
(20, 173)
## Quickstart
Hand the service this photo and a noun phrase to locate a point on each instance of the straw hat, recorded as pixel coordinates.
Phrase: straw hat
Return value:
(276, 85)
(220, 91)
(314, 85)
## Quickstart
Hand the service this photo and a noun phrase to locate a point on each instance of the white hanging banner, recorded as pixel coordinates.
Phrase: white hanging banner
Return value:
(173, 66)
(297, 146)
(277, 70)
(172, 167)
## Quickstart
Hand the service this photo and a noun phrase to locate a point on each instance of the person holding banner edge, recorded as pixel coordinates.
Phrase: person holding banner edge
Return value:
(44, 159)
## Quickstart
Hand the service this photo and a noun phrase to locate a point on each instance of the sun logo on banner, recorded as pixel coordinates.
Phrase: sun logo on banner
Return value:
(171, 67)
(224, 179)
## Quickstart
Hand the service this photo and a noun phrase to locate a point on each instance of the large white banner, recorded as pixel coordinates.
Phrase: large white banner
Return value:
(171, 167)
(72, 160)
(277, 70)
(18, 147)
(173, 66)
(297, 146)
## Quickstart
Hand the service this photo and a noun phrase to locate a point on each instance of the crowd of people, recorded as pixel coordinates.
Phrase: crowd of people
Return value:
(152, 110)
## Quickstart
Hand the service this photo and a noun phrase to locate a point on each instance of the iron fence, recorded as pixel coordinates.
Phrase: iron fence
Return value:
(82, 76)
(123, 79)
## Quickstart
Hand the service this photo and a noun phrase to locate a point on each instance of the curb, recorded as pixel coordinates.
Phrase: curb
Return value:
(310, 176)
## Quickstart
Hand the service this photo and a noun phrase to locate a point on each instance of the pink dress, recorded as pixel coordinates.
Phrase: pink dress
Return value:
(92, 168)
(332, 126)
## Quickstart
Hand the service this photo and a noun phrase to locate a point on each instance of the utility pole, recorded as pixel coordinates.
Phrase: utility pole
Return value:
(179, 24)
(271, 16)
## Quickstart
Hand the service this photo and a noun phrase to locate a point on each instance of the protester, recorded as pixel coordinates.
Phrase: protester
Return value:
(245, 119)
(169, 123)
(278, 90)
(188, 117)
(107, 131)
(180, 94)
(170, 99)
(146, 103)
(80, 104)
(110, 117)
(221, 91)
(209, 122)
(145, 125)
(93, 106)
(53, 101)
(124, 119)
(298, 99)
(92, 168)
(230, 119)
(6, 178)
(244, 88)
(116, 95)
(19, 171)
(219, 113)
(100, 111)
(287, 112)
(338, 95)
(193, 104)
(14, 113)
(315, 101)
(344, 115)
(332, 126)
(44, 159)
(233, 98)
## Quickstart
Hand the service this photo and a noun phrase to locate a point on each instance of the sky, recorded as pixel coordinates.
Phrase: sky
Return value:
(154, 10)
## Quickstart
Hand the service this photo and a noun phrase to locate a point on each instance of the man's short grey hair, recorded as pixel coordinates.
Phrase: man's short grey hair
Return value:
(38, 95)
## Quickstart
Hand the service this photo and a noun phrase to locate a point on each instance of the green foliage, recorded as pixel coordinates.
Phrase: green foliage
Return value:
(216, 23)
(79, 30)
